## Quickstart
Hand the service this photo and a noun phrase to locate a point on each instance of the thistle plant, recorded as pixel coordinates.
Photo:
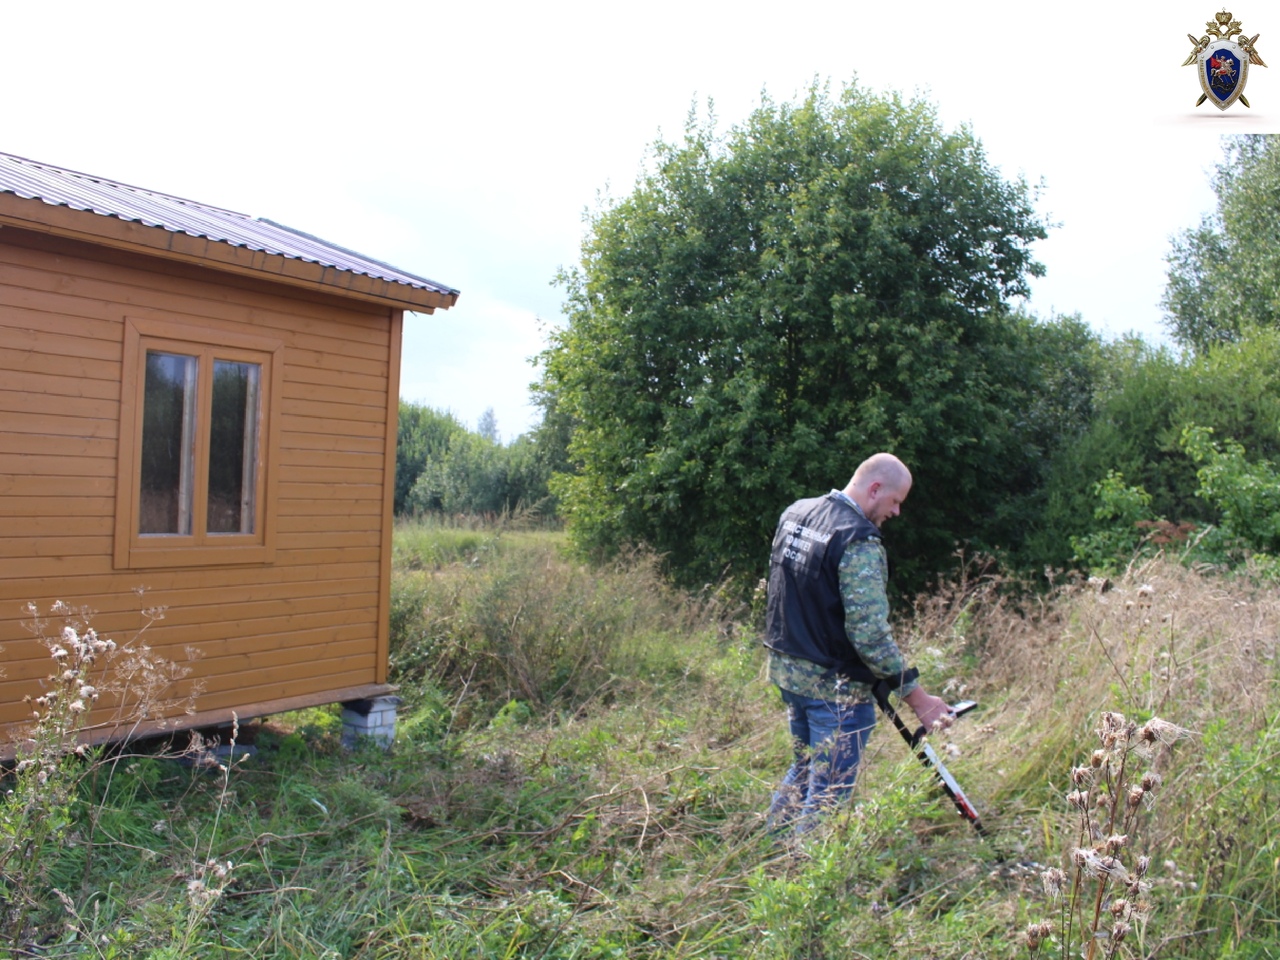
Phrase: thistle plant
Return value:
(95, 686)
(1103, 892)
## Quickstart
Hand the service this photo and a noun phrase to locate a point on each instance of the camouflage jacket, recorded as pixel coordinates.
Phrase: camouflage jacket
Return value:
(864, 576)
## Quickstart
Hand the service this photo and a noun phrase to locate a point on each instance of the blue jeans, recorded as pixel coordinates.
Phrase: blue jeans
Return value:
(829, 738)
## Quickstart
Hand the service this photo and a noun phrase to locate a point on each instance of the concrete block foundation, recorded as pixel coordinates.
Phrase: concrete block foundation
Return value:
(374, 718)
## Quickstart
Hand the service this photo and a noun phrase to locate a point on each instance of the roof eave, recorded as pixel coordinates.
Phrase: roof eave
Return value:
(109, 231)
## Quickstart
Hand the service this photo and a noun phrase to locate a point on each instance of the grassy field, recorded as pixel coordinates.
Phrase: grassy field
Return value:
(585, 756)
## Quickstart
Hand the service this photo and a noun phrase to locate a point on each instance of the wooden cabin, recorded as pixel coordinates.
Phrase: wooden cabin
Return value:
(197, 412)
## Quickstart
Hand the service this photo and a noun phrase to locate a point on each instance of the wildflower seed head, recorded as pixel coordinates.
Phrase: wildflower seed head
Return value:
(1116, 841)
(1144, 862)
(1120, 931)
(1078, 799)
(1032, 936)
(1097, 865)
(1120, 909)
(1136, 793)
(1150, 780)
(1055, 881)
(1110, 723)
(77, 706)
(58, 652)
(1035, 933)
(1098, 758)
(1167, 733)
(1081, 776)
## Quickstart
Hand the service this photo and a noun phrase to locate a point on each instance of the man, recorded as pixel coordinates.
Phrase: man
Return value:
(827, 629)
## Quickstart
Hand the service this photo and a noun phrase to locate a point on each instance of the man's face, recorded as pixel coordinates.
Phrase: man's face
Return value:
(886, 501)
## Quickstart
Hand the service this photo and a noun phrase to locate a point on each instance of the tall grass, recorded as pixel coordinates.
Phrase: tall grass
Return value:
(585, 758)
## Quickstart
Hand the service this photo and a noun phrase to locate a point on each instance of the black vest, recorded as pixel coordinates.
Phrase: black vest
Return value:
(805, 613)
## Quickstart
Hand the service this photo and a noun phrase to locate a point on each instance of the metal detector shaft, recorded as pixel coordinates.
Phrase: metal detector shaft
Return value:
(928, 757)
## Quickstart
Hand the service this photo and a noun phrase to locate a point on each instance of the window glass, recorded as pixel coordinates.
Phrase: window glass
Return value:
(233, 447)
(168, 444)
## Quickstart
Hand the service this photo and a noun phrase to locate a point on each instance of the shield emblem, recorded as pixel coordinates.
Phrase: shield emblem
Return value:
(1224, 67)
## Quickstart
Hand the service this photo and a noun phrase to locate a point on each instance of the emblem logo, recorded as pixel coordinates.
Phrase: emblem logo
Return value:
(1223, 64)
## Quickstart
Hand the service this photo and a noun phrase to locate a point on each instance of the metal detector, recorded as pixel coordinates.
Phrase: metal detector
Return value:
(916, 741)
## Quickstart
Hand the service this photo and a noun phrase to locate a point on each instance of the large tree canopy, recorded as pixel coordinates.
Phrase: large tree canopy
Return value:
(768, 307)
(1224, 276)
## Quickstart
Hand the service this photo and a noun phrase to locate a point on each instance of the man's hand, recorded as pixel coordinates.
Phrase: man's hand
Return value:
(933, 712)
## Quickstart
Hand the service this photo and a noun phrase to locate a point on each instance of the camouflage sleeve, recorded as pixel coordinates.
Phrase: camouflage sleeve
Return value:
(864, 575)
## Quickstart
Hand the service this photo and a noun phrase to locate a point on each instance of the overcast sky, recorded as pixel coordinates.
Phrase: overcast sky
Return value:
(463, 142)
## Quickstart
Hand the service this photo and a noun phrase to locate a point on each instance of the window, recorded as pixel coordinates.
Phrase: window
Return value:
(196, 445)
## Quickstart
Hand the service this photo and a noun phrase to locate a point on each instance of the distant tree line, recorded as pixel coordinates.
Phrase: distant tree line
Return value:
(445, 468)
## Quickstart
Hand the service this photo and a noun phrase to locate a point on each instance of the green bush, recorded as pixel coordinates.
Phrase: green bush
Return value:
(1148, 395)
(1121, 508)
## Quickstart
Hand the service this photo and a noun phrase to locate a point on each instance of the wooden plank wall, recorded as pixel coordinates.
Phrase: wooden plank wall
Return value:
(306, 623)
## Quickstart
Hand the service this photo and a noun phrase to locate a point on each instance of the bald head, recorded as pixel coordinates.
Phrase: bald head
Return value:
(879, 486)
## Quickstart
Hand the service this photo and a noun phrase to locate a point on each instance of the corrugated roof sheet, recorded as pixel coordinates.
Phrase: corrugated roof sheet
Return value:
(82, 191)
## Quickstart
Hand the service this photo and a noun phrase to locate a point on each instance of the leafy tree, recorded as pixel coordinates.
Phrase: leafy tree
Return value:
(469, 476)
(769, 306)
(423, 435)
(488, 425)
(1224, 275)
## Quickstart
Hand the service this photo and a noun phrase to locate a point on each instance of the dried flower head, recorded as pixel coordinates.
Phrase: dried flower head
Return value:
(1032, 936)
(1055, 881)
(1098, 865)
(1165, 732)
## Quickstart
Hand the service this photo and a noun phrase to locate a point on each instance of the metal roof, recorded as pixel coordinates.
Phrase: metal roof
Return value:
(107, 198)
